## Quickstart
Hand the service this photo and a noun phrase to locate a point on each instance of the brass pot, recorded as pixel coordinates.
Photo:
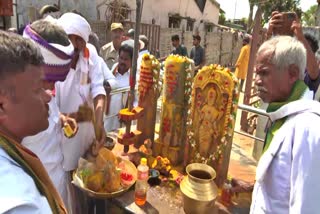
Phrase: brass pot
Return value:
(198, 188)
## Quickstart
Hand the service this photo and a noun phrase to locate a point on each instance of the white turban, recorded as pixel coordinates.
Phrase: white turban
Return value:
(75, 24)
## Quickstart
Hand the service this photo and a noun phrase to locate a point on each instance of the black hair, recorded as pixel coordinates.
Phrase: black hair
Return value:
(52, 33)
(16, 53)
(126, 48)
(312, 42)
(175, 37)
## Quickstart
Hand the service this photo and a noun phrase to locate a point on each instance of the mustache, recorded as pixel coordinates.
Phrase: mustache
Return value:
(261, 89)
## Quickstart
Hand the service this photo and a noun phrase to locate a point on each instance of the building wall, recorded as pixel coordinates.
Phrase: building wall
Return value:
(159, 10)
(220, 47)
(27, 11)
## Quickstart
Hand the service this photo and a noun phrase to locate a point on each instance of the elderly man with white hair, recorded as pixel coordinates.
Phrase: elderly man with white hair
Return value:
(288, 173)
(83, 86)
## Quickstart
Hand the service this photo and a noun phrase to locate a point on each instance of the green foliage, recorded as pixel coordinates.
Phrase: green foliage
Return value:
(281, 6)
(309, 17)
(244, 20)
(222, 19)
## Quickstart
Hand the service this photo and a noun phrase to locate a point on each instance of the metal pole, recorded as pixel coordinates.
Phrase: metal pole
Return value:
(253, 110)
(248, 135)
(135, 55)
(134, 66)
(235, 11)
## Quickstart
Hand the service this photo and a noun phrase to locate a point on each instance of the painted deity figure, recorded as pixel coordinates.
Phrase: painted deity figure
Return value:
(177, 129)
(209, 116)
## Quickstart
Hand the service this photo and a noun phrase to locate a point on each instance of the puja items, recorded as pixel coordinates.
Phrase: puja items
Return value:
(162, 165)
(149, 91)
(198, 188)
(106, 175)
(140, 193)
(128, 137)
(211, 120)
(178, 77)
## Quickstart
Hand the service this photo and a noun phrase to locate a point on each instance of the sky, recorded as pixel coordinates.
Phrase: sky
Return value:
(242, 9)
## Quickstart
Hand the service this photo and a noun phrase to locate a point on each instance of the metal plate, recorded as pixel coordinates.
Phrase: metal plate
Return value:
(130, 168)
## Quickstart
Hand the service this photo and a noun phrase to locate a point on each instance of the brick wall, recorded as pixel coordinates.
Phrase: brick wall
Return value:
(165, 40)
(100, 28)
(220, 47)
(212, 44)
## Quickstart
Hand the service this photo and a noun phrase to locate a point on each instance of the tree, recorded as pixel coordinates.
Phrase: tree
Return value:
(222, 18)
(252, 3)
(244, 22)
(309, 17)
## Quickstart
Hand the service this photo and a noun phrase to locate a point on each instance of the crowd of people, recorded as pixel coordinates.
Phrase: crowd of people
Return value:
(52, 78)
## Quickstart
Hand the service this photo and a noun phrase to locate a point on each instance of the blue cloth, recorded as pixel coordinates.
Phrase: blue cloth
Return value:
(197, 54)
(312, 84)
(180, 50)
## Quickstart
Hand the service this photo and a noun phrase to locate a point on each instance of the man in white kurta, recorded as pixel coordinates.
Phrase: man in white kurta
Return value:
(288, 173)
(50, 149)
(47, 144)
(84, 84)
(121, 71)
(117, 101)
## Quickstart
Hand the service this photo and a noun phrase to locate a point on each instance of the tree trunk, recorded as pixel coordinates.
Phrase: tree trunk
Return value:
(249, 27)
(317, 16)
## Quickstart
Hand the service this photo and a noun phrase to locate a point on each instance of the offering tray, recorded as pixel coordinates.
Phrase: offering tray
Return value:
(130, 168)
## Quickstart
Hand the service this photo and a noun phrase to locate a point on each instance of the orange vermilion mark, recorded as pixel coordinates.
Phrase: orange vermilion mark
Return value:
(86, 53)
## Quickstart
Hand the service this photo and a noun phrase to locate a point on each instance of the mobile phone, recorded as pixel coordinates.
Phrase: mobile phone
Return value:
(285, 29)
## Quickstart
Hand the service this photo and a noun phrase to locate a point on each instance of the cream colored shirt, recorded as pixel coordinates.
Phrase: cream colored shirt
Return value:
(109, 54)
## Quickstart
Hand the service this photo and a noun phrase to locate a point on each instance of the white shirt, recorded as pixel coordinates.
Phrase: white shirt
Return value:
(70, 94)
(117, 101)
(288, 173)
(107, 74)
(18, 192)
(47, 146)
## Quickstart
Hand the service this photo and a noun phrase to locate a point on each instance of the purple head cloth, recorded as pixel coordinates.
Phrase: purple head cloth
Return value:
(52, 72)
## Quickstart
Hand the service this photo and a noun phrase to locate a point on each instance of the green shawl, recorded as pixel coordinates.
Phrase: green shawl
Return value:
(297, 92)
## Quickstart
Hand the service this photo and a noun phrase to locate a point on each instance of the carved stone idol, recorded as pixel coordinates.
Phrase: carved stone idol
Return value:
(175, 104)
(211, 120)
(148, 93)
